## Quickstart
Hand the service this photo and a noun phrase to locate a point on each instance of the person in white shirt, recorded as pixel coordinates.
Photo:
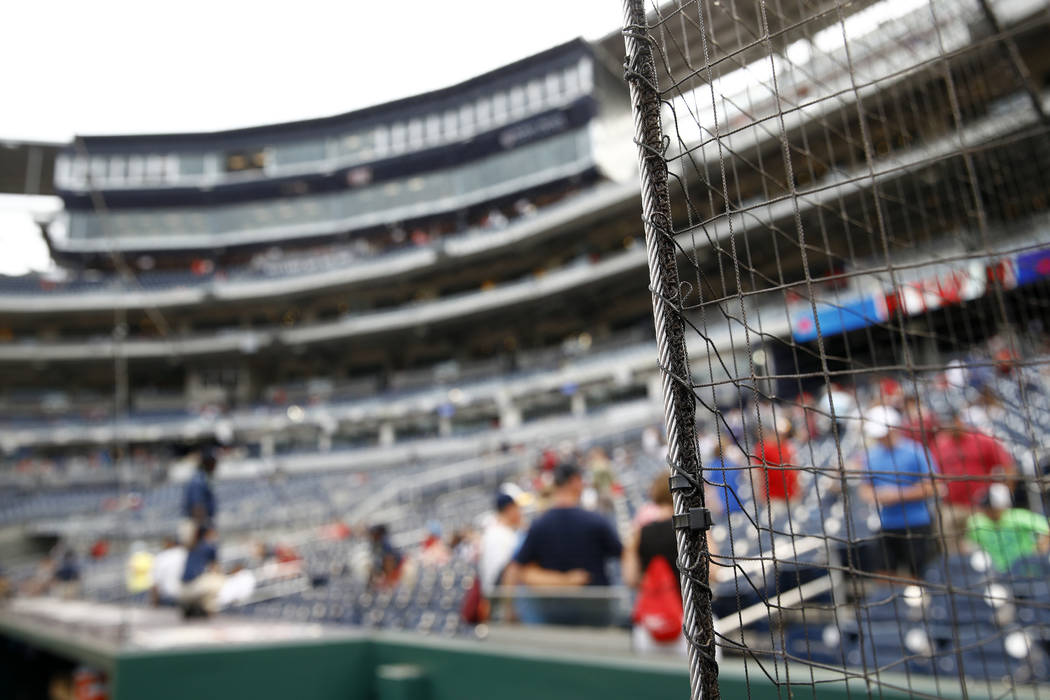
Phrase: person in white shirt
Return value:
(167, 573)
(237, 588)
(499, 543)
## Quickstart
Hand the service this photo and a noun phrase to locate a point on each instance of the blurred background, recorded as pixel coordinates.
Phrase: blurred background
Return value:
(304, 319)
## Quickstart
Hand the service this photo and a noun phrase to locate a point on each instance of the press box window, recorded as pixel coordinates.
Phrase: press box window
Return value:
(237, 161)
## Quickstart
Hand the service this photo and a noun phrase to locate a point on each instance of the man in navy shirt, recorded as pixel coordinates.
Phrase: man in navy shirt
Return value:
(900, 482)
(198, 500)
(567, 545)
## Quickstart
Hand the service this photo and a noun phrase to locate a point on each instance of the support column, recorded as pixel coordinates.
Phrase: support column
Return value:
(509, 413)
(579, 404)
(387, 435)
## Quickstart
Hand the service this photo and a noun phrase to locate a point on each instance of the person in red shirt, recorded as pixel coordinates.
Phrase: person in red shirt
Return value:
(774, 458)
(960, 450)
(920, 423)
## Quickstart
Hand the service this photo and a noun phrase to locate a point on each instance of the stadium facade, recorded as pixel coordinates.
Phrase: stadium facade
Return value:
(399, 248)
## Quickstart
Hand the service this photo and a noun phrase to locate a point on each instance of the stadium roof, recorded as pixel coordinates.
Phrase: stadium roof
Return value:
(27, 167)
(426, 99)
(782, 23)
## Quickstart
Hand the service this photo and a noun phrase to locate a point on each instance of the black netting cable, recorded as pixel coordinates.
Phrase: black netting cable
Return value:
(679, 400)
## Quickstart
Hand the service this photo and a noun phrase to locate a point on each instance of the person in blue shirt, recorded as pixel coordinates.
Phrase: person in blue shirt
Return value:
(899, 483)
(198, 500)
(566, 547)
(724, 476)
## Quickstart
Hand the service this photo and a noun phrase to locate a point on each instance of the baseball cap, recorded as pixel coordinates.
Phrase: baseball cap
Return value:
(504, 500)
(564, 472)
(878, 420)
(208, 457)
(997, 497)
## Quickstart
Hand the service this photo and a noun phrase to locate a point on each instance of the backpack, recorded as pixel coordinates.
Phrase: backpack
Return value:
(658, 608)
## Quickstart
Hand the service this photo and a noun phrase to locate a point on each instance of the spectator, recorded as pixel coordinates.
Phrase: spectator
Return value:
(652, 553)
(168, 567)
(648, 512)
(139, 574)
(100, 549)
(774, 457)
(959, 451)
(67, 575)
(494, 219)
(237, 588)
(1007, 534)
(899, 484)
(840, 402)
(463, 545)
(724, 475)
(386, 560)
(567, 545)
(201, 578)
(499, 542)
(600, 467)
(919, 423)
(434, 552)
(198, 503)
(523, 207)
(653, 539)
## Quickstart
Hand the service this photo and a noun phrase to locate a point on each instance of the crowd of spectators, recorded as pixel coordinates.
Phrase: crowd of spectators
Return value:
(937, 473)
(282, 261)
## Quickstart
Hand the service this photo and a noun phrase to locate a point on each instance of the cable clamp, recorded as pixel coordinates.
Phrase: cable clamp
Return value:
(679, 483)
(697, 519)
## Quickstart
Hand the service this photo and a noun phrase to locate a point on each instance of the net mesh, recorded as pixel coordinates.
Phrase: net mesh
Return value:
(856, 209)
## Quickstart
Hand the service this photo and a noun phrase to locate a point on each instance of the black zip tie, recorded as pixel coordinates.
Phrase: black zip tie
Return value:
(697, 519)
(678, 482)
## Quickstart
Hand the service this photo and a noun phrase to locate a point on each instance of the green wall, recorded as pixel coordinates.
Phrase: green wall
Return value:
(324, 670)
(358, 667)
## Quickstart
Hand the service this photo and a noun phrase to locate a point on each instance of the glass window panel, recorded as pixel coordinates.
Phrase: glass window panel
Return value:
(62, 168)
(586, 71)
(517, 101)
(117, 168)
(191, 163)
(155, 168)
(572, 82)
(136, 169)
(397, 137)
(415, 133)
(450, 124)
(98, 168)
(466, 120)
(433, 129)
(534, 95)
(483, 112)
(500, 109)
(382, 141)
(310, 151)
(553, 87)
(171, 167)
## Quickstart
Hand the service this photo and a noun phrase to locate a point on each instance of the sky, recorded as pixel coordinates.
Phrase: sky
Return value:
(112, 66)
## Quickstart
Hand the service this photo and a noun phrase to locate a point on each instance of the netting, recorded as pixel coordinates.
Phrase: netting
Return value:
(845, 205)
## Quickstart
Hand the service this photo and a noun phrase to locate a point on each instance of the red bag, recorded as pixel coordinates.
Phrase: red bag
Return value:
(475, 608)
(659, 605)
